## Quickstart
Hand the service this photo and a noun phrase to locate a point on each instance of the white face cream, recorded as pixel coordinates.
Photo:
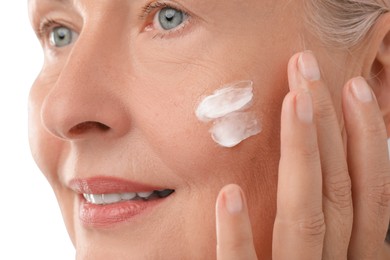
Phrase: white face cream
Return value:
(226, 109)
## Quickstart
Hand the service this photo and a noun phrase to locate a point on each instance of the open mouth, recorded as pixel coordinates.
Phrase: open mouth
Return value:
(105, 201)
(111, 198)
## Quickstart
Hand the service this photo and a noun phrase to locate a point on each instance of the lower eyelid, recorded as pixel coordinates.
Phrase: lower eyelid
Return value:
(174, 32)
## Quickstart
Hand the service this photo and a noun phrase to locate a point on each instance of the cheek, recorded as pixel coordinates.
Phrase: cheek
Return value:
(168, 104)
(171, 129)
(184, 144)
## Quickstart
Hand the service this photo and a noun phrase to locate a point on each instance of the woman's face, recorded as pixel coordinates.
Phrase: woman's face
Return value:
(113, 112)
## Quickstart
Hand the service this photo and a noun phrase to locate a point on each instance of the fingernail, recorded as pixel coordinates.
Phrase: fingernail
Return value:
(233, 200)
(361, 90)
(304, 107)
(308, 66)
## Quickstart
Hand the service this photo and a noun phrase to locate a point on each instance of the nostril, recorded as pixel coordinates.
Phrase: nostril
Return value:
(89, 126)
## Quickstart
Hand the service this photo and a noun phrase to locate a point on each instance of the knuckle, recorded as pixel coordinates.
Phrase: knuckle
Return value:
(309, 153)
(324, 106)
(325, 111)
(380, 192)
(375, 128)
(338, 190)
(312, 228)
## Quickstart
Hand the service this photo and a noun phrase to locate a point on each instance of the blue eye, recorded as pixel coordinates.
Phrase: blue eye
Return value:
(61, 36)
(170, 18)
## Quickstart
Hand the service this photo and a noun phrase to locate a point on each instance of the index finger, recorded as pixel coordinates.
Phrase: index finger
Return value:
(234, 232)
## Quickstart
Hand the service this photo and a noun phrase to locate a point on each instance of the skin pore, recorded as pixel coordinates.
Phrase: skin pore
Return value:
(119, 101)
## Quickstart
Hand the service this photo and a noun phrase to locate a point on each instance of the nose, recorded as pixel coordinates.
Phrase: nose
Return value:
(88, 97)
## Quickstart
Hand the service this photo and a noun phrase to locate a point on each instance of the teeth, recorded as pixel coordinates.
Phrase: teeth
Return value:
(87, 197)
(144, 194)
(128, 196)
(96, 198)
(111, 198)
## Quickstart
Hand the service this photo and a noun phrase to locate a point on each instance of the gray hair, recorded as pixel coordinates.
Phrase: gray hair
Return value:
(344, 23)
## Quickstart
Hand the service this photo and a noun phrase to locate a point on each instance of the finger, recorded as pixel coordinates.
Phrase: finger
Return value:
(304, 73)
(369, 169)
(299, 224)
(234, 232)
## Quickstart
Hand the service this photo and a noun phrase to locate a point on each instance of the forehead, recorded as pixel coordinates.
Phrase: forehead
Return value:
(93, 2)
(207, 10)
(33, 2)
(74, 2)
(84, 6)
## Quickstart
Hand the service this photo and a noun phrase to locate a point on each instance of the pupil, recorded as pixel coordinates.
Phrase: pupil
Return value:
(62, 34)
(170, 14)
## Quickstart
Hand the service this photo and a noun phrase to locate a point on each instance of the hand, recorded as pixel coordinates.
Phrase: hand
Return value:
(333, 200)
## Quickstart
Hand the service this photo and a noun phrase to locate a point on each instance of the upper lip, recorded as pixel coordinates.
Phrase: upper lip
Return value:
(107, 185)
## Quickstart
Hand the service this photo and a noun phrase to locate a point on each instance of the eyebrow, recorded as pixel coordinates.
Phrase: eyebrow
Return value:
(55, 1)
(63, 2)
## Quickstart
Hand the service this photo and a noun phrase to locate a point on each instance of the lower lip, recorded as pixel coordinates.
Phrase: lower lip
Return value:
(107, 215)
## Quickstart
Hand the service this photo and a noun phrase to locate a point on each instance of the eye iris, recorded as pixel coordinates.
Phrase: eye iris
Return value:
(170, 18)
(61, 36)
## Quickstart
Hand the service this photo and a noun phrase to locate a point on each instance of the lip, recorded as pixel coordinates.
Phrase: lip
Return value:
(106, 185)
(92, 215)
(107, 215)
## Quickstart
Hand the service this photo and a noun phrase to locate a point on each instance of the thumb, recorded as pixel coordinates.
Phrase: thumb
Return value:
(234, 232)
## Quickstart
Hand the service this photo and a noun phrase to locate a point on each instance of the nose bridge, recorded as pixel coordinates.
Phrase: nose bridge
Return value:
(88, 92)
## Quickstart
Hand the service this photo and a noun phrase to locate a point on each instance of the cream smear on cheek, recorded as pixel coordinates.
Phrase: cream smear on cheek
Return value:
(226, 108)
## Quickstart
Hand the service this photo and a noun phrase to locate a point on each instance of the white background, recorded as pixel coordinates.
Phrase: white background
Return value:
(31, 225)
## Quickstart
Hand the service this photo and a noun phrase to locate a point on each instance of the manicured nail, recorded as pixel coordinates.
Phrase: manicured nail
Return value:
(308, 66)
(233, 200)
(361, 90)
(304, 107)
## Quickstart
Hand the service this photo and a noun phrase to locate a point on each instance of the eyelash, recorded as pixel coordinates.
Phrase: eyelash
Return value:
(45, 27)
(151, 8)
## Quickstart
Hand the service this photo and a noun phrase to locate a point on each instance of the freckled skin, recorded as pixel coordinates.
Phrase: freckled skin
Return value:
(139, 86)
